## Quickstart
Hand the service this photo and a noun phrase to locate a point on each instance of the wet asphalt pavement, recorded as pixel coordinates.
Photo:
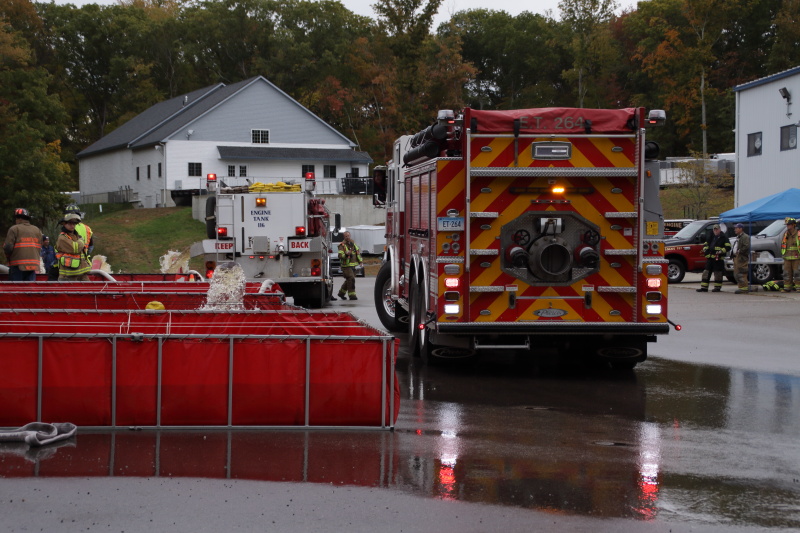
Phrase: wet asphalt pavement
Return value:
(704, 436)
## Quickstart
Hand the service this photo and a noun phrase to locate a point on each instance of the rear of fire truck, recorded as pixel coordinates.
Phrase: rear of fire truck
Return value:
(276, 230)
(533, 230)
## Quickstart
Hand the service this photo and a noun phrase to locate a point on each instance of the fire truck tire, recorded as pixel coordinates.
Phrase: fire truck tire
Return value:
(623, 365)
(211, 219)
(389, 311)
(414, 319)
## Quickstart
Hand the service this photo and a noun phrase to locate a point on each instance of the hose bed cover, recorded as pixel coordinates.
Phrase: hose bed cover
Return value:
(553, 120)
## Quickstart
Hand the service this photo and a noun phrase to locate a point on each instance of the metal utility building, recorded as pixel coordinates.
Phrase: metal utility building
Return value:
(767, 117)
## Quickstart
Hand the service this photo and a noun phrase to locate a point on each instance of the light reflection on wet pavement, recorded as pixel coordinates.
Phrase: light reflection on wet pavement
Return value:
(689, 443)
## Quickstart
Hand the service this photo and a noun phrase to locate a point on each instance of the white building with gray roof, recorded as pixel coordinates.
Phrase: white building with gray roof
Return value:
(249, 129)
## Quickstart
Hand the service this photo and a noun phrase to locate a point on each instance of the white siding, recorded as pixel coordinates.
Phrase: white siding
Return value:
(762, 109)
(181, 153)
(106, 172)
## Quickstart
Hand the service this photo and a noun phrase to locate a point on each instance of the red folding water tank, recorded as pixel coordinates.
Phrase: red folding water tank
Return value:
(112, 368)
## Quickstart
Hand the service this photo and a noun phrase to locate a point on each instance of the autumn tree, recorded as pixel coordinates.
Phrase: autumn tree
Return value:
(594, 54)
(785, 52)
(517, 63)
(679, 54)
(32, 174)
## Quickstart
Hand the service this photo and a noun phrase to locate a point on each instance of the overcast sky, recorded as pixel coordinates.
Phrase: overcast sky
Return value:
(448, 7)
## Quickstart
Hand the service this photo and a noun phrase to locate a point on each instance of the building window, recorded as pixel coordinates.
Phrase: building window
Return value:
(788, 137)
(329, 171)
(196, 169)
(137, 173)
(148, 172)
(753, 144)
(231, 171)
(307, 169)
(159, 170)
(242, 171)
(260, 136)
(354, 172)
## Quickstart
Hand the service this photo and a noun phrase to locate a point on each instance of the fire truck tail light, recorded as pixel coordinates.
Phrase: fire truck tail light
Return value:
(261, 202)
(452, 309)
(653, 309)
(316, 271)
(451, 296)
(451, 283)
(653, 296)
(300, 230)
(315, 263)
(558, 189)
(222, 232)
(452, 269)
(653, 283)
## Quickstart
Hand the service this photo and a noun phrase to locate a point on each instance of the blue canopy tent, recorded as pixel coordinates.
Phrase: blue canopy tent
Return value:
(779, 205)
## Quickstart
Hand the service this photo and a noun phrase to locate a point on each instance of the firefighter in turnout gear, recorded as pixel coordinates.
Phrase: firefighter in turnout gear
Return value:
(714, 250)
(350, 257)
(741, 259)
(790, 250)
(23, 247)
(82, 229)
(73, 263)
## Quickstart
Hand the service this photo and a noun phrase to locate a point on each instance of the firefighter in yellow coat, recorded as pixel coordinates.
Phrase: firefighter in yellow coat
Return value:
(73, 263)
(350, 257)
(790, 251)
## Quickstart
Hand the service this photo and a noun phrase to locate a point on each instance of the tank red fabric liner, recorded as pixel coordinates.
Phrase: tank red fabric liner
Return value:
(266, 351)
(176, 301)
(120, 286)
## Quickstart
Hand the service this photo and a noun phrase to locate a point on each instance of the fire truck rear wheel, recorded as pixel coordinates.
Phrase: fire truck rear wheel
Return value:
(390, 312)
(414, 319)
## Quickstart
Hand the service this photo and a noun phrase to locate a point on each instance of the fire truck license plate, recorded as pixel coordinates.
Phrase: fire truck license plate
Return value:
(450, 223)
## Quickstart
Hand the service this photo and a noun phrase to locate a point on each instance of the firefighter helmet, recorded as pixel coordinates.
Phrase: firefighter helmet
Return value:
(790, 220)
(21, 212)
(72, 208)
(72, 217)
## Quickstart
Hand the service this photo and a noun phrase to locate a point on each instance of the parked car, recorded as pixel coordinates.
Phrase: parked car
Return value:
(765, 252)
(684, 249)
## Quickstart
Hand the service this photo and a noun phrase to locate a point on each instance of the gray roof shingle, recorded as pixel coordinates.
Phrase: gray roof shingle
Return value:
(160, 121)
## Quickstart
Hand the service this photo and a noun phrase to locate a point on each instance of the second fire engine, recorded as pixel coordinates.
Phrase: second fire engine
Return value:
(535, 229)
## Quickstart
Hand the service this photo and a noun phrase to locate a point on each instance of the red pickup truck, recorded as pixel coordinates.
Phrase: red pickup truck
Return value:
(684, 249)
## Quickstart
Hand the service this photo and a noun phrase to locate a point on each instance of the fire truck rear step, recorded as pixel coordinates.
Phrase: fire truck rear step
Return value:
(478, 346)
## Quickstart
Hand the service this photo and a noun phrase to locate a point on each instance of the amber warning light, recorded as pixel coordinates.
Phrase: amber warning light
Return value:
(558, 189)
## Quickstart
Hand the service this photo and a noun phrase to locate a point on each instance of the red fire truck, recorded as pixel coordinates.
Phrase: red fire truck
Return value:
(535, 230)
